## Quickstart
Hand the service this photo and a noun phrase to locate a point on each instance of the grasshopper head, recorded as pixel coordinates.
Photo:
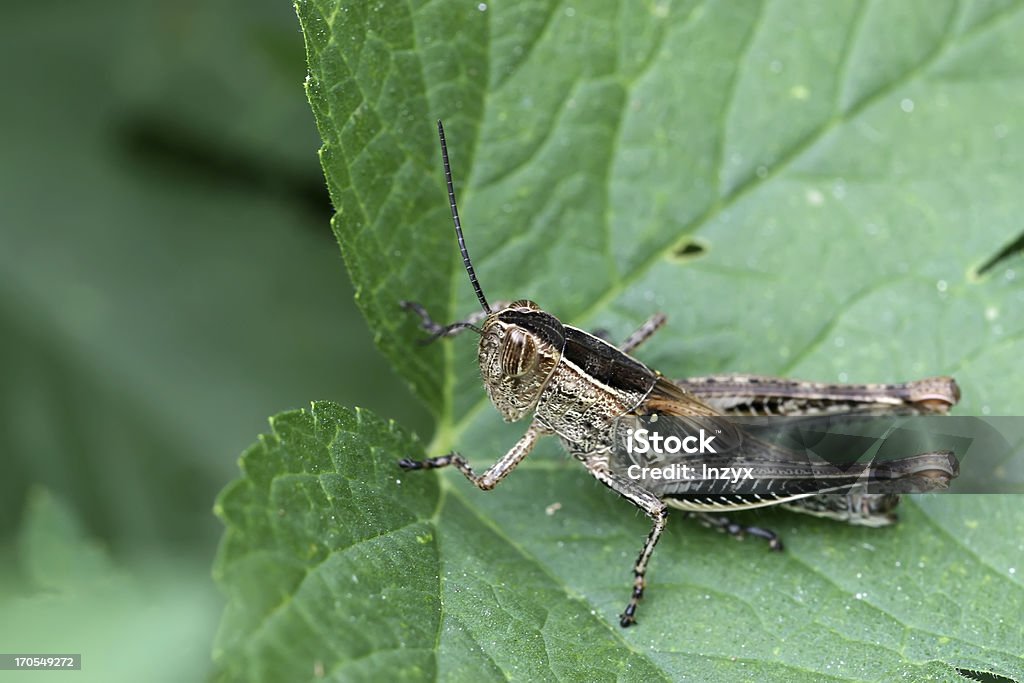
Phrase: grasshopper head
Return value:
(520, 346)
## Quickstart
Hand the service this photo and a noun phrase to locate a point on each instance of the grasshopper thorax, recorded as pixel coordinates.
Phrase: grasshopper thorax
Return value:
(520, 346)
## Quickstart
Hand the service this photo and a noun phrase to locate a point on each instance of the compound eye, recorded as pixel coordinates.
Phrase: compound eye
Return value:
(518, 353)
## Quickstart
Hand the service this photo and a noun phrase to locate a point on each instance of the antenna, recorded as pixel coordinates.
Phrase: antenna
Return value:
(458, 225)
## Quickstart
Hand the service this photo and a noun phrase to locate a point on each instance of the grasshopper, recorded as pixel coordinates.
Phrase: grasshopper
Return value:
(575, 385)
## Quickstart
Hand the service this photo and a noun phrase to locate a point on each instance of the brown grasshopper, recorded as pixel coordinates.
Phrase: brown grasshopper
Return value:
(575, 385)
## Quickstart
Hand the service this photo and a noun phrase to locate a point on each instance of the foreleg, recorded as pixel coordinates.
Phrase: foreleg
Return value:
(495, 473)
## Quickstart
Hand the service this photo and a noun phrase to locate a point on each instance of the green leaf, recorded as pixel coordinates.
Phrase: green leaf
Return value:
(326, 551)
(54, 555)
(847, 174)
(827, 192)
(338, 564)
(333, 563)
(148, 622)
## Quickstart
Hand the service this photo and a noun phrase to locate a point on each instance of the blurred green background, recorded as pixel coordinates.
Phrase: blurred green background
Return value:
(169, 280)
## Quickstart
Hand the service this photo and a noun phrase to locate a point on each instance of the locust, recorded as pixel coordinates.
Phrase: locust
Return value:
(578, 387)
